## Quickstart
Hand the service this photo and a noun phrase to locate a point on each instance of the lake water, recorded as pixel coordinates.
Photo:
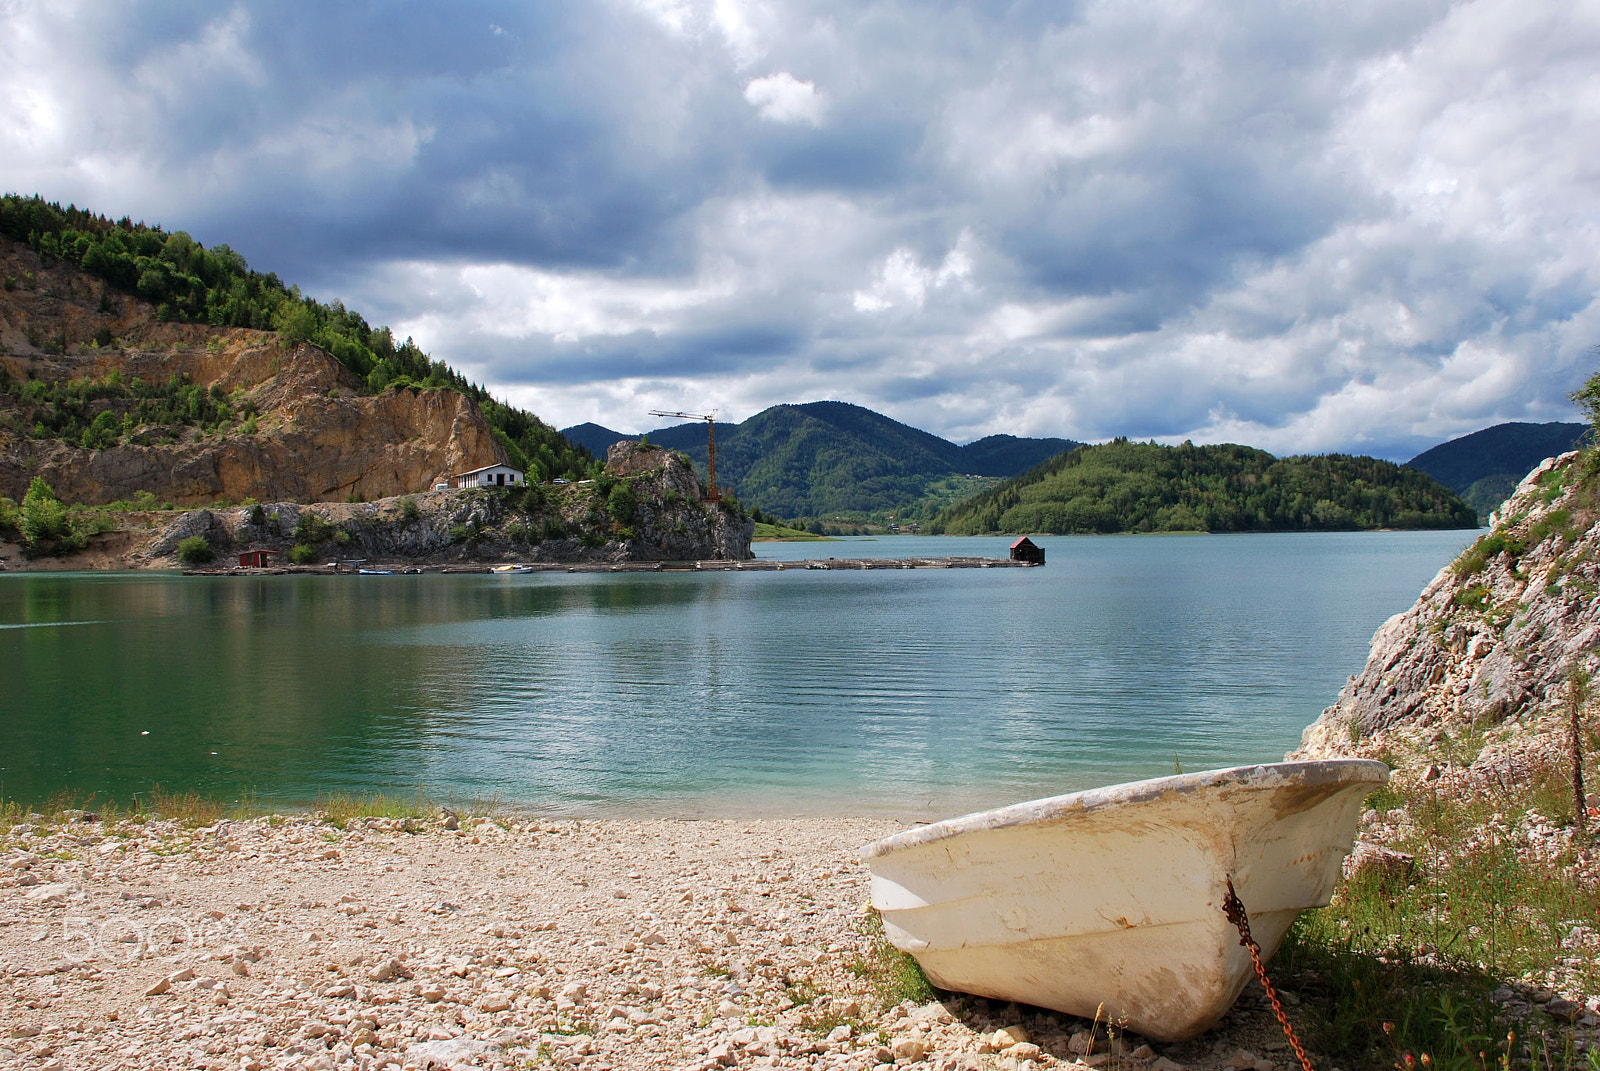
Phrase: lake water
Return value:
(918, 693)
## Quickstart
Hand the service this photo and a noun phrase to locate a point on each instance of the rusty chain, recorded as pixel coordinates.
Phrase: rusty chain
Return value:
(1233, 908)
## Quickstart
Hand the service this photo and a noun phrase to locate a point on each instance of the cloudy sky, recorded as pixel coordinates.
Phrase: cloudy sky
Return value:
(1362, 225)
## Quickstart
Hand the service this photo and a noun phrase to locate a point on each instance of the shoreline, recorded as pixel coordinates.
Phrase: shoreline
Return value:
(288, 942)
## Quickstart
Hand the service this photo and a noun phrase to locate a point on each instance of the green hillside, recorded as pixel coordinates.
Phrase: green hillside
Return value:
(1486, 466)
(838, 462)
(189, 283)
(1126, 486)
(829, 458)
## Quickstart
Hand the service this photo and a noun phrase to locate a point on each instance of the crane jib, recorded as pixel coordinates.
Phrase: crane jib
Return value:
(713, 493)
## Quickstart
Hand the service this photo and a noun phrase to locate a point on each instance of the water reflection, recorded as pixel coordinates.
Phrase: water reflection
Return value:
(909, 691)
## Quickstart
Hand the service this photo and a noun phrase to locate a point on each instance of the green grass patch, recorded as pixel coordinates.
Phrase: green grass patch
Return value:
(1398, 971)
(1476, 558)
(778, 533)
(893, 975)
(342, 808)
(194, 810)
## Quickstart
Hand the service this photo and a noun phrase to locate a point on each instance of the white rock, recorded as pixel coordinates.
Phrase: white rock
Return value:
(449, 1053)
(910, 1049)
(53, 893)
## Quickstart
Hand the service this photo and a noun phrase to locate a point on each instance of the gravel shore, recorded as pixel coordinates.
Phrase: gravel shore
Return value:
(286, 942)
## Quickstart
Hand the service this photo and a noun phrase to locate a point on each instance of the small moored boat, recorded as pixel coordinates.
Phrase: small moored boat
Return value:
(1110, 902)
(505, 569)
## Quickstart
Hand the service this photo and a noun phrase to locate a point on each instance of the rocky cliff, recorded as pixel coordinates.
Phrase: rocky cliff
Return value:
(1482, 854)
(1496, 637)
(281, 421)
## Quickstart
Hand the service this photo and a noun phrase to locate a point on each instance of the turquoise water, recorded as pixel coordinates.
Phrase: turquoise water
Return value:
(917, 693)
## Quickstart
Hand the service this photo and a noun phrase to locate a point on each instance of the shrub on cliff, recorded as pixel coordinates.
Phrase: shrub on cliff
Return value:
(312, 529)
(622, 503)
(44, 524)
(302, 554)
(195, 551)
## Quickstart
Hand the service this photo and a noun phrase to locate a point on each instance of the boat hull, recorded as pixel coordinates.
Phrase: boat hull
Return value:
(1109, 902)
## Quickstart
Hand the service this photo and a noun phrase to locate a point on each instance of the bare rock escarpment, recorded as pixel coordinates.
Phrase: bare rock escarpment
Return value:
(1494, 640)
(314, 437)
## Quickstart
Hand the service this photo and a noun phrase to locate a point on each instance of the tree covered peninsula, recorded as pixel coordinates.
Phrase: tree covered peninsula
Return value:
(1124, 486)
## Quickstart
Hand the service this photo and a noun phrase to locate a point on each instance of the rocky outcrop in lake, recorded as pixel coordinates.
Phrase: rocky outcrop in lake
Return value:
(646, 507)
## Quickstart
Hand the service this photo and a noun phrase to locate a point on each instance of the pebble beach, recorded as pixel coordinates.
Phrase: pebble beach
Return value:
(292, 942)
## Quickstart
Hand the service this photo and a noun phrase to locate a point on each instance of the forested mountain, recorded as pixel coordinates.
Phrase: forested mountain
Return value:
(1125, 486)
(1009, 455)
(594, 438)
(189, 284)
(834, 460)
(1486, 466)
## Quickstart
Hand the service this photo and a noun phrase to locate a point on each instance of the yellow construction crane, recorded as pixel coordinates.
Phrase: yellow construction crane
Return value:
(711, 444)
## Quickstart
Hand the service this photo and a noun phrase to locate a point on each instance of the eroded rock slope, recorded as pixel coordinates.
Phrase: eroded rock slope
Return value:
(314, 437)
(1495, 637)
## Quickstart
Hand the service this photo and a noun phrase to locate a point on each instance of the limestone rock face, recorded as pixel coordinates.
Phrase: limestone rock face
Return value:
(313, 449)
(670, 521)
(1495, 635)
(632, 459)
(316, 438)
(315, 445)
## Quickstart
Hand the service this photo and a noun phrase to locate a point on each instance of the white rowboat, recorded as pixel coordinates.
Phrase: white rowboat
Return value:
(1109, 901)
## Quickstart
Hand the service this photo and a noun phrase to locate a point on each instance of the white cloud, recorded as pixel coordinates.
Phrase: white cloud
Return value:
(218, 54)
(782, 98)
(905, 282)
(737, 20)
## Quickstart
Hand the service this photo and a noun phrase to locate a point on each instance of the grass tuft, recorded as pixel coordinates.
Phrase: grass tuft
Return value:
(1399, 971)
(893, 975)
(340, 809)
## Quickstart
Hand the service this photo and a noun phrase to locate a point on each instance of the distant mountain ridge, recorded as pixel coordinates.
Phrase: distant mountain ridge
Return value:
(1486, 466)
(829, 458)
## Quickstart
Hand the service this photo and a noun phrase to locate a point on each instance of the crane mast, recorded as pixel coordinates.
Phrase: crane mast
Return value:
(711, 444)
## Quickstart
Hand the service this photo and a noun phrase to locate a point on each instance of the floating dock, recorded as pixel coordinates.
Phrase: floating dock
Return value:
(752, 565)
(769, 565)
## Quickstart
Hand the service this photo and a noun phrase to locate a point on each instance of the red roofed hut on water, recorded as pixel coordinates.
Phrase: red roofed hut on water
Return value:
(1026, 550)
